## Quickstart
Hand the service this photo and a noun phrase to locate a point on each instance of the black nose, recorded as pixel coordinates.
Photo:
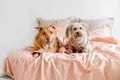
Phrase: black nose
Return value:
(48, 39)
(78, 33)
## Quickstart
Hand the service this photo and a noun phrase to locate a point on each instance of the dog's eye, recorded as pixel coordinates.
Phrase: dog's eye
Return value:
(43, 33)
(51, 32)
(80, 27)
(75, 28)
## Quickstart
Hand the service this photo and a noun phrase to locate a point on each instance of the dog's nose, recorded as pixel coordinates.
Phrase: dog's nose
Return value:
(78, 33)
(48, 39)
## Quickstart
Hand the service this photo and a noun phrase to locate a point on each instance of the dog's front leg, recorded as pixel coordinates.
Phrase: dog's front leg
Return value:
(37, 53)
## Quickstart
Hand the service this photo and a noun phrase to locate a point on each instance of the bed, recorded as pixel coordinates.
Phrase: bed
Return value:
(102, 63)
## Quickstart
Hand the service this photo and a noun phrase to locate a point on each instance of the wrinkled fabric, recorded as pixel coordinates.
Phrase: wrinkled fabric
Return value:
(102, 63)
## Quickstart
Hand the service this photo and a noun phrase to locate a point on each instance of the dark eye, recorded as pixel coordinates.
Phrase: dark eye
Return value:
(75, 28)
(51, 32)
(43, 33)
(80, 27)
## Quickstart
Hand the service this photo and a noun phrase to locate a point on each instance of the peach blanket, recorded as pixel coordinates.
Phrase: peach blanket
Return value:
(103, 63)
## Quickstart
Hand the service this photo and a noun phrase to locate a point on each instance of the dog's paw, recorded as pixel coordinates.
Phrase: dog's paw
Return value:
(67, 52)
(63, 50)
(36, 54)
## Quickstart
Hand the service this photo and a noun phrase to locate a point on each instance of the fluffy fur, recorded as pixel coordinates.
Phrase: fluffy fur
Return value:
(77, 34)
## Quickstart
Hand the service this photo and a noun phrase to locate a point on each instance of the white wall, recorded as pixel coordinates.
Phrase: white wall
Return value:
(17, 18)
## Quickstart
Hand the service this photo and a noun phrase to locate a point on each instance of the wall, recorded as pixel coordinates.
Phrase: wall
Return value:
(17, 18)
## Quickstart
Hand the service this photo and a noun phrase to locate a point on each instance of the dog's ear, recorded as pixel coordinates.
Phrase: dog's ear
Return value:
(73, 20)
(53, 25)
(67, 31)
(38, 22)
(68, 34)
(39, 28)
(79, 20)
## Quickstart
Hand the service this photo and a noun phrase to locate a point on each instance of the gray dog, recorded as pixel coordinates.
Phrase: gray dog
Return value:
(77, 34)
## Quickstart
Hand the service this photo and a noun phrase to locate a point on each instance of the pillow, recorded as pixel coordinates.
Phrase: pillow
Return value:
(100, 32)
(61, 32)
(60, 22)
(94, 24)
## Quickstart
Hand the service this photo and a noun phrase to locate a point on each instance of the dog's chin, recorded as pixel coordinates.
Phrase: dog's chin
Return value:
(78, 38)
(48, 42)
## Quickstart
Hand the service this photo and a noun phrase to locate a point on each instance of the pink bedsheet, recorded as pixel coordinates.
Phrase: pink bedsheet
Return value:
(103, 63)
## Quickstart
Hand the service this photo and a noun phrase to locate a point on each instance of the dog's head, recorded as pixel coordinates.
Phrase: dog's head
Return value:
(77, 30)
(47, 34)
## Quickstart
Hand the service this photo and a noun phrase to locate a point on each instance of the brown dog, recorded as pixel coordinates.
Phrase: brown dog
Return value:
(46, 39)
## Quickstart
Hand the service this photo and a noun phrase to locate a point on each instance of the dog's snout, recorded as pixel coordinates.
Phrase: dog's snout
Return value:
(78, 33)
(48, 39)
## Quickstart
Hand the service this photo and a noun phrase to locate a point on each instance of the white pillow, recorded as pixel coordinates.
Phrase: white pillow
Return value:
(94, 24)
(60, 22)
